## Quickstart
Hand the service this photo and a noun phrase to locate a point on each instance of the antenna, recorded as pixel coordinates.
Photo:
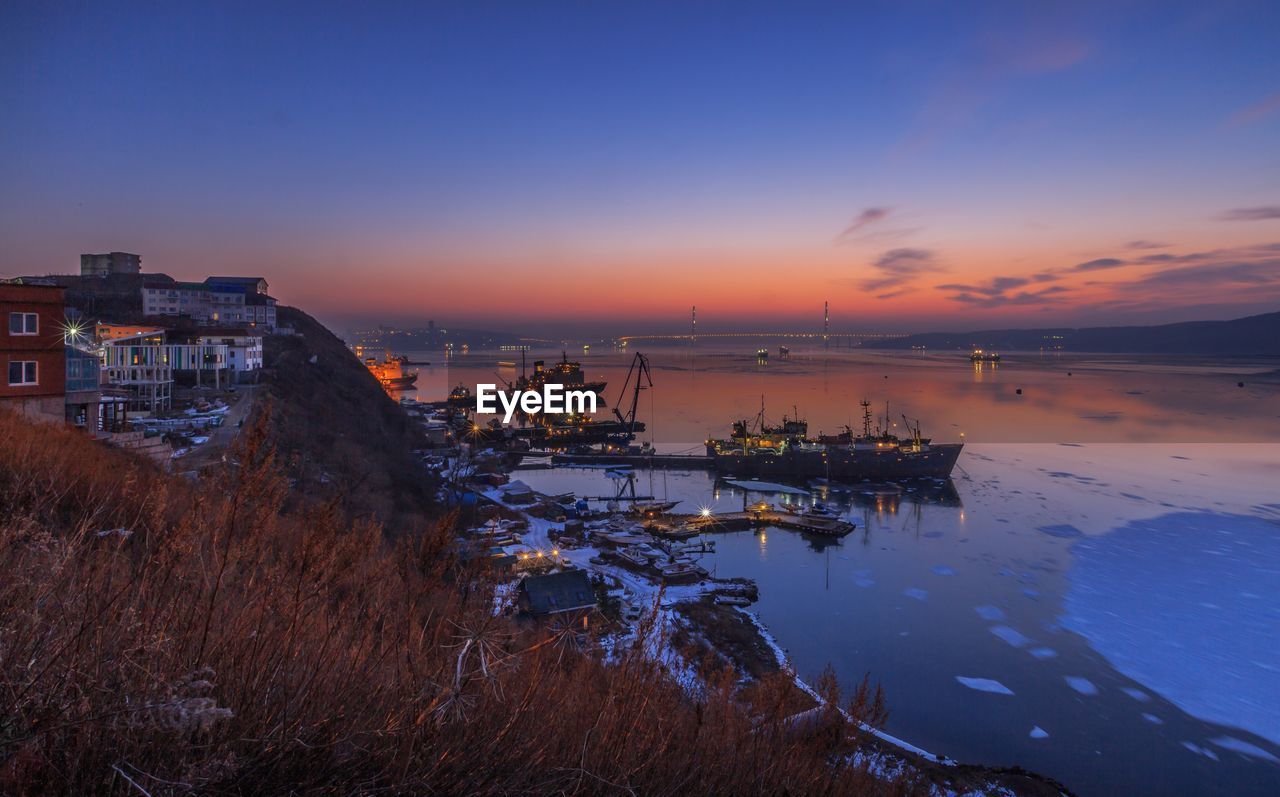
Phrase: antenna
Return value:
(826, 323)
(693, 324)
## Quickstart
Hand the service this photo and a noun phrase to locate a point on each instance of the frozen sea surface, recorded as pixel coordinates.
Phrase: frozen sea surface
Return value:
(1172, 602)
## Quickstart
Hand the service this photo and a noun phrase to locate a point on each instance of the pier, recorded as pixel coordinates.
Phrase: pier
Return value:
(669, 461)
(673, 525)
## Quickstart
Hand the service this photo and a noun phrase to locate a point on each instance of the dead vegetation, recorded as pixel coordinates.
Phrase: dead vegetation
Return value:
(163, 637)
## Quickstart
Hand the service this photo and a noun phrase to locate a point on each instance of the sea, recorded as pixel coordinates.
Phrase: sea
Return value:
(1094, 595)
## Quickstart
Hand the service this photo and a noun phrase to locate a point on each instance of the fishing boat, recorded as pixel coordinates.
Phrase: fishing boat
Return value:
(980, 356)
(787, 452)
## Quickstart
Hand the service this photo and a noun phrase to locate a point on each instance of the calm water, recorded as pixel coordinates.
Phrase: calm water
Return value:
(1097, 597)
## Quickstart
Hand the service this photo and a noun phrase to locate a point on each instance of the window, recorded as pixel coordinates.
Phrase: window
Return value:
(24, 324)
(22, 372)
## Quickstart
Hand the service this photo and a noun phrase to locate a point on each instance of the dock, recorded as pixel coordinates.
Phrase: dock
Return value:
(668, 461)
(739, 521)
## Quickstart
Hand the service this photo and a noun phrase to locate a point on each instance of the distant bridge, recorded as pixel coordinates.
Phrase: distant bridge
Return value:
(834, 338)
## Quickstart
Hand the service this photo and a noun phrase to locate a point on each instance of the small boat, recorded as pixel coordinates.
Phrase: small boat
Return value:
(633, 557)
(651, 509)
(682, 571)
(980, 356)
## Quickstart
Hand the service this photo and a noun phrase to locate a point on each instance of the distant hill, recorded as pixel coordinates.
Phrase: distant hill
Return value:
(1254, 335)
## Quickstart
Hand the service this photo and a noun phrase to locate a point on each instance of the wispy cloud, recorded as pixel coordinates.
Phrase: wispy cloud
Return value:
(864, 219)
(1255, 112)
(1239, 275)
(1260, 213)
(1100, 264)
(1141, 244)
(1003, 291)
(898, 267)
(984, 73)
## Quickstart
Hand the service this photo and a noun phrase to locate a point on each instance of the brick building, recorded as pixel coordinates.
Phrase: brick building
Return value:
(32, 350)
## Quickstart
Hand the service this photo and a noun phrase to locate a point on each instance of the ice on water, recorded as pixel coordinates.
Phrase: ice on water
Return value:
(985, 685)
(1165, 599)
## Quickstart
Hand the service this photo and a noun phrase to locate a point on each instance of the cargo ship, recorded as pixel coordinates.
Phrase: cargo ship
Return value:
(787, 452)
(390, 372)
(980, 356)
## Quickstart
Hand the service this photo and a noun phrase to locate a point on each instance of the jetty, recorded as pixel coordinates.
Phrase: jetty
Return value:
(679, 525)
(668, 461)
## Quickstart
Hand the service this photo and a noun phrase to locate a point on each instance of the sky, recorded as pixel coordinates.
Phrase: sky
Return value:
(569, 167)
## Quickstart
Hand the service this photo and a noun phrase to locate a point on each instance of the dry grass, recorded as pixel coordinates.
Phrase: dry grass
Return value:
(222, 645)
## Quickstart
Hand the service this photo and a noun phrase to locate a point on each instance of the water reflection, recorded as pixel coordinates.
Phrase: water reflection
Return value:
(1065, 397)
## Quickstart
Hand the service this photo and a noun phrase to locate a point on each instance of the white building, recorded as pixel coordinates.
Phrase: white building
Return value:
(218, 301)
(244, 350)
(144, 366)
(196, 300)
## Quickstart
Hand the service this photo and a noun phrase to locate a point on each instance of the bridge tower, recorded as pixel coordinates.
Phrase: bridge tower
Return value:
(693, 324)
(826, 323)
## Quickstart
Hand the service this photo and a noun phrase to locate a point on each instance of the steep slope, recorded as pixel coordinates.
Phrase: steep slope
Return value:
(339, 433)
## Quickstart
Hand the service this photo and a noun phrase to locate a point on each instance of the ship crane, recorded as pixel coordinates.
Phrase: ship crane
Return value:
(643, 380)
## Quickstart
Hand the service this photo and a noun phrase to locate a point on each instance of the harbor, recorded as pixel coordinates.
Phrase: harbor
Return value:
(923, 554)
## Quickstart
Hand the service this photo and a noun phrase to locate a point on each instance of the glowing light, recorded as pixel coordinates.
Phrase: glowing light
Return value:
(705, 511)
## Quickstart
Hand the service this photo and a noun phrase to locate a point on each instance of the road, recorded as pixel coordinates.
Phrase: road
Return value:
(220, 439)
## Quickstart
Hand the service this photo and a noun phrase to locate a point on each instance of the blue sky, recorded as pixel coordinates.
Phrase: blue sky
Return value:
(384, 159)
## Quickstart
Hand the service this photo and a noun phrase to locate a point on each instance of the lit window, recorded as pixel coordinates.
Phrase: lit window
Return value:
(22, 372)
(24, 324)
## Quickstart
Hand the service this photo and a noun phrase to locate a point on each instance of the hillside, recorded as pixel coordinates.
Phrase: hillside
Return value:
(337, 431)
(1257, 335)
(169, 637)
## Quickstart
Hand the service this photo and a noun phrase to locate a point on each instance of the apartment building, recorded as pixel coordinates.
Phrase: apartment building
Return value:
(32, 350)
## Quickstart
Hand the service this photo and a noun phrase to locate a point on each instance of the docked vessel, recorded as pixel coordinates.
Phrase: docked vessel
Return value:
(787, 452)
(980, 356)
(390, 372)
(460, 398)
(566, 373)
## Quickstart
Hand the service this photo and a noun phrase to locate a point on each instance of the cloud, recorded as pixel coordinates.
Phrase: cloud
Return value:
(996, 287)
(1044, 296)
(1260, 213)
(1003, 291)
(1246, 275)
(1253, 113)
(867, 217)
(1141, 244)
(984, 71)
(1100, 264)
(898, 267)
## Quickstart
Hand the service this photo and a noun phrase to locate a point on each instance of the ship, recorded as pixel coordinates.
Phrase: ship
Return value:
(566, 373)
(460, 398)
(390, 372)
(980, 356)
(786, 452)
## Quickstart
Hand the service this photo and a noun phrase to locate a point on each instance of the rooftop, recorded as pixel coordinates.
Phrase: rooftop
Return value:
(558, 592)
